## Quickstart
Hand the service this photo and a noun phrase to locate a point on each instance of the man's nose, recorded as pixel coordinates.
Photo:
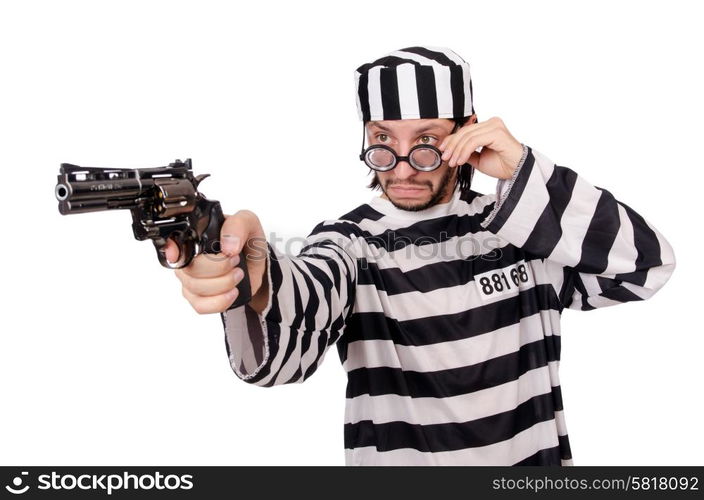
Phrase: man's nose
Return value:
(404, 170)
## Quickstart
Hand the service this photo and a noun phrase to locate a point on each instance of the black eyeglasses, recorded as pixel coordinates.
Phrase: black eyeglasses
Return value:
(382, 158)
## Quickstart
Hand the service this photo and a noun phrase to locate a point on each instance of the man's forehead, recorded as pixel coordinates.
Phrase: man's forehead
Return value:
(411, 124)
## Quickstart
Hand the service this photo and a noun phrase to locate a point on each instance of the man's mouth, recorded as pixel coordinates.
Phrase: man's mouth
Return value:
(407, 190)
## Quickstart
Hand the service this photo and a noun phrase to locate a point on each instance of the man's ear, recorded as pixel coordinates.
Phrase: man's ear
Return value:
(471, 120)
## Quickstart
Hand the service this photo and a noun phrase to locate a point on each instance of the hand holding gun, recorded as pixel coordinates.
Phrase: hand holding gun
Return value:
(165, 204)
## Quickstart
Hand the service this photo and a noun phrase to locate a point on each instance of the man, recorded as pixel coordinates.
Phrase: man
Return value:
(444, 303)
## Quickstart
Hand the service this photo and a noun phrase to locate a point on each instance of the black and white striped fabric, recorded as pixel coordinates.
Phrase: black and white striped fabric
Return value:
(447, 320)
(415, 82)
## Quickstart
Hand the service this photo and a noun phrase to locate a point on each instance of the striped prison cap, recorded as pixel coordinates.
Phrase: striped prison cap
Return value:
(415, 82)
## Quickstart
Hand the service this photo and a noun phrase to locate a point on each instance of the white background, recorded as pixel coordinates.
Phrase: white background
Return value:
(101, 359)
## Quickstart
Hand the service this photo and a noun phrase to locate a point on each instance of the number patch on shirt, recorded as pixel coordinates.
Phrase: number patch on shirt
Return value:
(506, 281)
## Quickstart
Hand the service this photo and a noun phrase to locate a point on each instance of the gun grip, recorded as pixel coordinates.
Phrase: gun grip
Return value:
(210, 243)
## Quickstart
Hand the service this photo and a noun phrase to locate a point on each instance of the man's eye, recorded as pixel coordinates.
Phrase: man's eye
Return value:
(382, 137)
(426, 139)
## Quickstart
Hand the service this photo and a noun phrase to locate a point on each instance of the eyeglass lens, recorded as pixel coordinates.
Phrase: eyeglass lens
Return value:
(422, 158)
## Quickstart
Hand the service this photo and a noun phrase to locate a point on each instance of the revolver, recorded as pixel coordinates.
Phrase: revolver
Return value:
(164, 202)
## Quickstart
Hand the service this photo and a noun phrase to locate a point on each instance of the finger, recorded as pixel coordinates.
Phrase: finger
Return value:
(210, 305)
(451, 140)
(459, 139)
(449, 143)
(171, 251)
(464, 150)
(210, 265)
(209, 287)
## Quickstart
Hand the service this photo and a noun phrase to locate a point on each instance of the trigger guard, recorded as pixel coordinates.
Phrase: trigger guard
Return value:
(185, 254)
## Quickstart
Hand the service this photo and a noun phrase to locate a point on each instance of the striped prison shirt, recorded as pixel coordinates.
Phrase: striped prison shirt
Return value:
(447, 320)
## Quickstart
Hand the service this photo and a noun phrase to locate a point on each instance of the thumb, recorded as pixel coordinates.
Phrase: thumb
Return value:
(474, 159)
(237, 229)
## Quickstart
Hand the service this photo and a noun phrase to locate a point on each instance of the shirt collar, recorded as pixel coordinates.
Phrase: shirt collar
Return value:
(441, 209)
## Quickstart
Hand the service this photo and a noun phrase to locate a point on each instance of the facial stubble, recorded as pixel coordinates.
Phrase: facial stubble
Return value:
(435, 198)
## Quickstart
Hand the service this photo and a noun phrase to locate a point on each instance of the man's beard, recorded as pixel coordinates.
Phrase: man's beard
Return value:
(434, 198)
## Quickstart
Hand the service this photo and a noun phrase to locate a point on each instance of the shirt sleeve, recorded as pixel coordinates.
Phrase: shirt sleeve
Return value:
(310, 297)
(597, 250)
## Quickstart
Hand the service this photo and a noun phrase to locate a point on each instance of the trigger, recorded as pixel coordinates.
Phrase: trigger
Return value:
(178, 255)
(164, 243)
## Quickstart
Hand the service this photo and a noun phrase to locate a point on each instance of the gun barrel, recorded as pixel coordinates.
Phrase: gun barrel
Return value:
(95, 205)
(167, 190)
(93, 196)
(61, 191)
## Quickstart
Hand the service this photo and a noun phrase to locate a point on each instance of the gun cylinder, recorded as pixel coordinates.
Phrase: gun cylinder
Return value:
(175, 196)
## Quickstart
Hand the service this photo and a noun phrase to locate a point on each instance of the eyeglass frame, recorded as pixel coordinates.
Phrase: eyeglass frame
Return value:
(397, 158)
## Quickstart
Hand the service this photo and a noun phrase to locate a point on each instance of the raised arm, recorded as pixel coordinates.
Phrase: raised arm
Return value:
(599, 251)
